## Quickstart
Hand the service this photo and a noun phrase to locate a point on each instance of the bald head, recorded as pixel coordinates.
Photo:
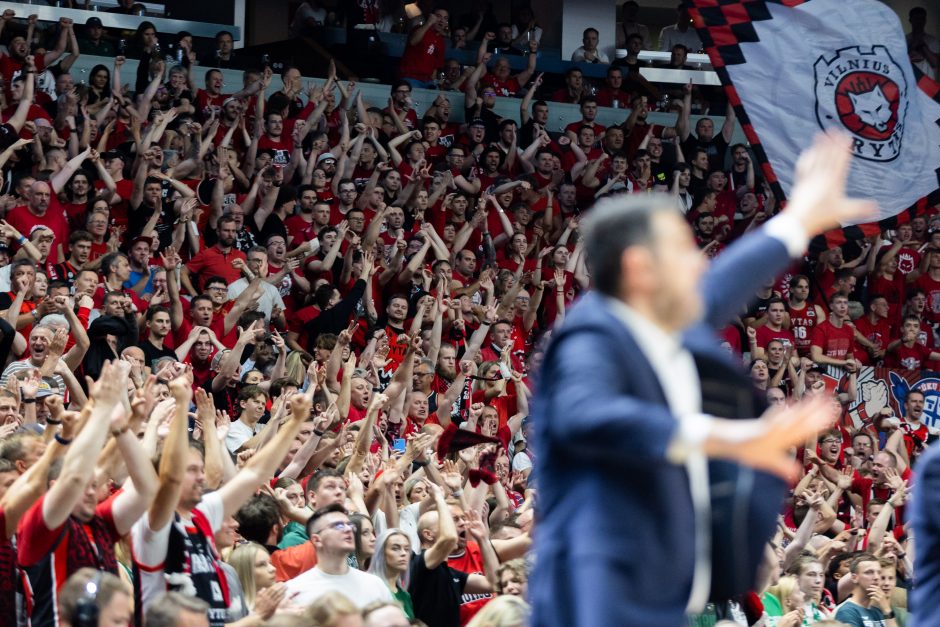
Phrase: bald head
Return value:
(39, 196)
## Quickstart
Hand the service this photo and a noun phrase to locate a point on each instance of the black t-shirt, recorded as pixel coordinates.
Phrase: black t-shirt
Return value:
(716, 148)
(435, 593)
(152, 353)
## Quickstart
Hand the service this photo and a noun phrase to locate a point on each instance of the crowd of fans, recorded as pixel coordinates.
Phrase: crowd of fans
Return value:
(268, 355)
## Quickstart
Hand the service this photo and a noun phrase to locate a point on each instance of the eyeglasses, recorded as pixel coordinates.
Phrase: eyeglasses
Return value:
(830, 441)
(340, 525)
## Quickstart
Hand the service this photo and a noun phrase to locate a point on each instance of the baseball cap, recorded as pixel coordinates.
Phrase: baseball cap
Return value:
(477, 122)
(325, 156)
(94, 22)
(113, 154)
(142, 238)
(47, 387)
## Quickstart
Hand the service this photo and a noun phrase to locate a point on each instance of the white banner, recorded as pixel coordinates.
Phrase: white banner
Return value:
(841, 64)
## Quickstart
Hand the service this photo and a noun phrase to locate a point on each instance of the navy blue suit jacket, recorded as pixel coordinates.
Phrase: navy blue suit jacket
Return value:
(925, 520)
(615, 536)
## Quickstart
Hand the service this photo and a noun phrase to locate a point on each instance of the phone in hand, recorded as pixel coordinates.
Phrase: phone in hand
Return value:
(399, 445)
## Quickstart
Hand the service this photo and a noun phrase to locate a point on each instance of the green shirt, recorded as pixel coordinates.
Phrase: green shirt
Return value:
(404, 599)
(294, 534)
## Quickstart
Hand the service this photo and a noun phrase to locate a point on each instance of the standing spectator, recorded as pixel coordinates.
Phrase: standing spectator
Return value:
(868, 606)
(629, 26)
(682, 32)
(922, 47)
(424, 53)
(217, 260)
(93, 41)
(588, 51)
(68, 528)
(180, 554)
(834, 339)
(331, 532)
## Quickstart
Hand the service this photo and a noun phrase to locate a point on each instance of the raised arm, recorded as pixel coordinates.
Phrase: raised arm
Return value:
(261, 466)
(78, 467)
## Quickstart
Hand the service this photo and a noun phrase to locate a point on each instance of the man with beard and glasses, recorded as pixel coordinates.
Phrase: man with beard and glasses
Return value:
(216, 260)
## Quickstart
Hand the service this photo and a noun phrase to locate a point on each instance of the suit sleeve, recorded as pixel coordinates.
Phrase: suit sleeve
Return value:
(589, 416)
(737, 273)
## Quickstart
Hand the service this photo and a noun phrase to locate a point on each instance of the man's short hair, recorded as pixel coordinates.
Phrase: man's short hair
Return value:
(166, 609)
(257, 518)
(153, 311)
(109, 261)
(614, 225)
(335, 508)
(249, 392)
(80, 236)
(865, 557)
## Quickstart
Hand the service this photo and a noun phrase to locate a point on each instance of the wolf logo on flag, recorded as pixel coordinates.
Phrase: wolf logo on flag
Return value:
(863, 92)
(791, 67)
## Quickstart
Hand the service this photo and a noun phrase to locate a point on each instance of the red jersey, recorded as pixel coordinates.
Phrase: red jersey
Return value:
(932, 288)
(421, 60)
(765, 334)
(908, 260)
(836, 342)
(909, 357)
(280, 147)
(507, 88)
(878, 333)
(802, 323)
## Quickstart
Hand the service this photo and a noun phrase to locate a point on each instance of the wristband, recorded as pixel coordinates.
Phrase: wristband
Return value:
(53, 421)
(22, 239)
(61, 440)
(889, 615)
(28, 400)
(420, 464)
(319, 434)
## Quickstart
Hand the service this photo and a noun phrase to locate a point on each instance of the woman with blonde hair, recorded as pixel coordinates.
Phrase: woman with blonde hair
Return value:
(503, 611)
(333, 610)
(252, 564)
(784, 602)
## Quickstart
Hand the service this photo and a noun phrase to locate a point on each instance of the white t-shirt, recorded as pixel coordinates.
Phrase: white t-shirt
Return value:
(579, 55)
(361, 588)
(238, 434)
(270, 296)
(150, 545)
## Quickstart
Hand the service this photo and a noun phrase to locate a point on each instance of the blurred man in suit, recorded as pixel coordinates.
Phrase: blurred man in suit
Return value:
(632, 421)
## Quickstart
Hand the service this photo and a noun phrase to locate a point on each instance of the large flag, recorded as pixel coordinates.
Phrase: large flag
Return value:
(793, 68)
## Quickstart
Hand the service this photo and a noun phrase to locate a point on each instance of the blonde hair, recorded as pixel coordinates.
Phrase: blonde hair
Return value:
(503, 611)
(784, 589)
(242, 559)
(328, 609)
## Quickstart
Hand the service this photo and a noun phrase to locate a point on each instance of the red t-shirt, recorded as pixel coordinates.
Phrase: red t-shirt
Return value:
(23, 220)
(507, 88)
(765, 334)
(421, 60)
(281, 148)
(471, 562)
(908, 357)
(836, 343)
(213, 262)
(932, 289)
